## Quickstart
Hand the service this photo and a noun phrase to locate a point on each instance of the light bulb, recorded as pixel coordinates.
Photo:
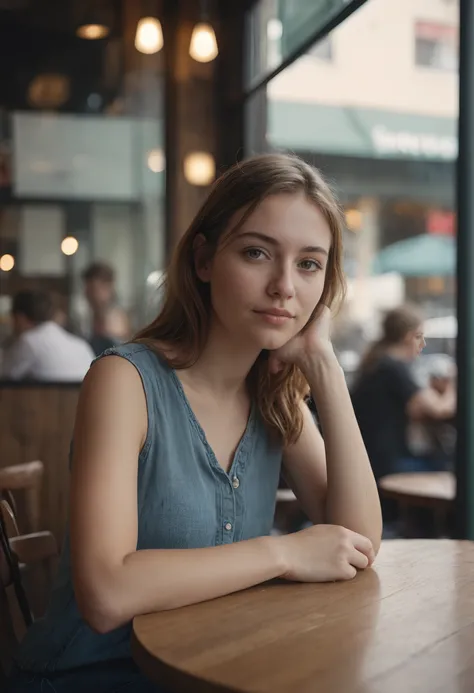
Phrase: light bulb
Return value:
(7, 262)
(354, 219)
(274, 29)
(203, 46)
(69, 245)
(156, 160)
(199, 168)
(93, 32)
(149, 36)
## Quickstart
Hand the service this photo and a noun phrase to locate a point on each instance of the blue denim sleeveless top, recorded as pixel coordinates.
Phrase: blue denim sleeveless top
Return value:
(185, 500)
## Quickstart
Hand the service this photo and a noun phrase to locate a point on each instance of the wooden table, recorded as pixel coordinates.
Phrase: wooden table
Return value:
(405, 625)
(422, 489)
(434, 490)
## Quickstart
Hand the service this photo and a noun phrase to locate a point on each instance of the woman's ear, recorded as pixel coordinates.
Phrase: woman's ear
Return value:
(202, 258)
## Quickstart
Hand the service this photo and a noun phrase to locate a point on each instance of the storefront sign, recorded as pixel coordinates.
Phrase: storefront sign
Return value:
(403, 143)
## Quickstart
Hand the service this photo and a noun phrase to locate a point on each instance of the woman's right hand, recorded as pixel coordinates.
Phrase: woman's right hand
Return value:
(324, 553)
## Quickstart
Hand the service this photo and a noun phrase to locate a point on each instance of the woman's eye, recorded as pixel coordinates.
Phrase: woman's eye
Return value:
(310, 265)
(254, 253)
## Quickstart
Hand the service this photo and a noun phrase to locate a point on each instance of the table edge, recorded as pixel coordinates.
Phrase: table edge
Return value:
(169, 675)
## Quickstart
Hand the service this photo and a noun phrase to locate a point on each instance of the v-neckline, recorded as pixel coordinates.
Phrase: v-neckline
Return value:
(202, 434)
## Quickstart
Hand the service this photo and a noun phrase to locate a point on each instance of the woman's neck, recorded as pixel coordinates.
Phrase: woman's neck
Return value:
(397, 351)
(223, 366)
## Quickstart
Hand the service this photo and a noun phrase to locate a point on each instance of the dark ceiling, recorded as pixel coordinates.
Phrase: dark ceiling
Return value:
(37, 37)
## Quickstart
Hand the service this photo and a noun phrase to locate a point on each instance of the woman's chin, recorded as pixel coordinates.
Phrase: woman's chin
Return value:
(272, 342)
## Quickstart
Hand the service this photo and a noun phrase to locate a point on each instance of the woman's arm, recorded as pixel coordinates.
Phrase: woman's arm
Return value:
(304, 469)
(113, 581)
(428, 403)
(352, 499)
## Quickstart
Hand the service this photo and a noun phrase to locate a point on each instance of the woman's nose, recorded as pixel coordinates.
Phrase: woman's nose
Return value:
(282, 284)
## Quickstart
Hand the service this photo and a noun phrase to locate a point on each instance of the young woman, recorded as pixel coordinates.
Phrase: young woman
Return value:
(180, 435)
(386, 397)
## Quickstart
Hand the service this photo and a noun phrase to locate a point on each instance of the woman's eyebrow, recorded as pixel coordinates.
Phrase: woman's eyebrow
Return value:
(273, 241)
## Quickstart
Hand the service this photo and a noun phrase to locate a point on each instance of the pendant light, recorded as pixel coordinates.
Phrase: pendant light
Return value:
(199, 168)
(149, 35)
(95, 21)
(203, 46)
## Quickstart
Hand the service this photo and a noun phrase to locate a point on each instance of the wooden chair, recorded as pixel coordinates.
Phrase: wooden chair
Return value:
(26, 478)
(15, 612)
(9, 519)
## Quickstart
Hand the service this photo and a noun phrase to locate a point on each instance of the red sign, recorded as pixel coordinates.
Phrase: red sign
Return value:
(432, 31)
(441, 223)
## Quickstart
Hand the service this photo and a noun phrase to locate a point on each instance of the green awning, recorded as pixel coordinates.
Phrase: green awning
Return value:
(308, 126)
(371, 133)
(425, 255)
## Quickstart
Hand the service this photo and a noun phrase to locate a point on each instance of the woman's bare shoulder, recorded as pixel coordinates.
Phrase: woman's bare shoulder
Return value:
(112, 380)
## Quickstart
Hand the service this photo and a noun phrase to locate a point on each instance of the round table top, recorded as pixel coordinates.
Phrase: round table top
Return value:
(405, 624)
(434, 487)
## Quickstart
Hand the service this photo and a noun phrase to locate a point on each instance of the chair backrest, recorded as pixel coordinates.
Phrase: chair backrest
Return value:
(8, 637)
(11, 624)
(26, 477)
(15, 552)
(7, 512)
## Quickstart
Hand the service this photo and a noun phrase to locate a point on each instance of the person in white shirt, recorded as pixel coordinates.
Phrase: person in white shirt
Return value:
(42, 349)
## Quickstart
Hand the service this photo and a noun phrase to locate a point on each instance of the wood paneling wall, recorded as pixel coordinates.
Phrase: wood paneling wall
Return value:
(36, 423)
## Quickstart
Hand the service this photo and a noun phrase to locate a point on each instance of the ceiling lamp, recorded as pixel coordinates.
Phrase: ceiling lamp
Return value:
(7, 262)
(69, 245)
(92, 32)
(156, 160)
(95, 22)
(203, 46)
(48, 90)
(199, 168)
(149, 36)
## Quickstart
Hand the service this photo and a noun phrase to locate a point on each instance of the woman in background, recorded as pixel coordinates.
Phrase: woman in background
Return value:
(387, 398)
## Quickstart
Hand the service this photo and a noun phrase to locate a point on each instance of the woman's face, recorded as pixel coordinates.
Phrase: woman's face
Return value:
(267, 278)
(415, 342)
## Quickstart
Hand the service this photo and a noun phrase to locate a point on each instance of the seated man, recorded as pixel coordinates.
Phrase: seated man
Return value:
(42, 349)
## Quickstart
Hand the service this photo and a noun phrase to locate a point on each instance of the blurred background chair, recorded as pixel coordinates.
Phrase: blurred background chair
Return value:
(27, 563)
(24, 480)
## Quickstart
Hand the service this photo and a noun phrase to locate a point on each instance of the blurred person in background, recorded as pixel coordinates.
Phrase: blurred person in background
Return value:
(41, 348)
(431, 438)
(181, 434)
(105, 323)
(387, 398)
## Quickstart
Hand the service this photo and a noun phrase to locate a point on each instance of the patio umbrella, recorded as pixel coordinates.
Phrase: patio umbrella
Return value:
(422, 256)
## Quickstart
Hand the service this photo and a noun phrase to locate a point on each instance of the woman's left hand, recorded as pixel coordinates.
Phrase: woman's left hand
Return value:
(307, 345)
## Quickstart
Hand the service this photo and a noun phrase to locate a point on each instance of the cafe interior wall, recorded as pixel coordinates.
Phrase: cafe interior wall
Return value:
(132, 206)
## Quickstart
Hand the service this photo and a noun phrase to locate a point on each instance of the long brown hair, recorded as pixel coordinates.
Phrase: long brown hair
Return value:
(396, 324)
(183, 322)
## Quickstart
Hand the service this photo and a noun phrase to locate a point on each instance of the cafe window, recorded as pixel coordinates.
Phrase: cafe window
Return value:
(436, 46)
(322, 50)
(385, 144)
(277, 29)
(82, 165)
